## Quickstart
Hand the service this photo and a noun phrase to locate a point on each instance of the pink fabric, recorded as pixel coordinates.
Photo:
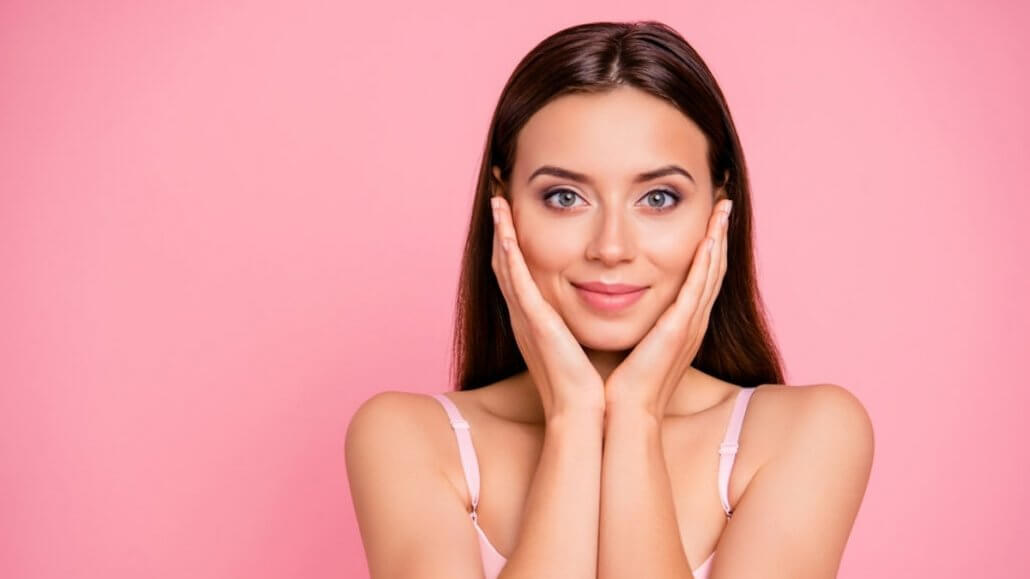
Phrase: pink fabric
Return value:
(493, 561)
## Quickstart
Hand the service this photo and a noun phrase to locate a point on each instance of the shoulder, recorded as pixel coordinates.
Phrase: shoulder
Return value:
(395, 433)
(404, 428)
(787, 421)
(813, 482)
(833, 416)
(390, 417)
(815, 410)
(384, 409)
(407, 426)
(398, 485)
(825, 432)
(821, 424)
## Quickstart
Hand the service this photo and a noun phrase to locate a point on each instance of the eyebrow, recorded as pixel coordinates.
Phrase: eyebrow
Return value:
(581, 178)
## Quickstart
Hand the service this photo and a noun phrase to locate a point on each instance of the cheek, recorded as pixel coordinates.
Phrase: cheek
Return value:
(673, 254)
(546, 252)
(547, 247)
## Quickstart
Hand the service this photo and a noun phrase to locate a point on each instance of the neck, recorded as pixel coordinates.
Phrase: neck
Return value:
(695, 393)
(605, 361)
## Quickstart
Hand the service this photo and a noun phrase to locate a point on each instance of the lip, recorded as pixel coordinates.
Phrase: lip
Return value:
(609, 288)
(612, 298)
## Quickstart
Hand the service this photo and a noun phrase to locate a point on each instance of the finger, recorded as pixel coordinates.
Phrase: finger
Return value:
(664, 344)
(717, 257)
(524, 287)
(504, 257)
(717, 275)
(534, 317)
(681, 312)
(503, 269)
(499, 259)
(501, 265)
(724, 254)
(655, 347)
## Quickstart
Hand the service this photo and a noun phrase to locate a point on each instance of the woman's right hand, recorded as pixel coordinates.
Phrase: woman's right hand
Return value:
(561, 370)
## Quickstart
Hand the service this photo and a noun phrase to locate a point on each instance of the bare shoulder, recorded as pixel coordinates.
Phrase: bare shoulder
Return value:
(787, 421)
(412, 521)
(386, 414)
(832, 419)
(812, 482)
(406, 422)
(414, 427)
(816, 409)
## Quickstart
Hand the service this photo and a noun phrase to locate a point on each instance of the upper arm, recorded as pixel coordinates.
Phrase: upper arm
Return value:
(796, 514)
(412, 521)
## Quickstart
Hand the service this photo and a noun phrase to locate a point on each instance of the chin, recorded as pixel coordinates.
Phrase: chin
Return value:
(607, 335)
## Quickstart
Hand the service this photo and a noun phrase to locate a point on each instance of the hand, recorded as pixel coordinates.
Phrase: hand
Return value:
(648, 376)
(561, 370)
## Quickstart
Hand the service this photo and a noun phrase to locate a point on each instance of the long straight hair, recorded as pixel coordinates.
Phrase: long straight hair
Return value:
(595, 58)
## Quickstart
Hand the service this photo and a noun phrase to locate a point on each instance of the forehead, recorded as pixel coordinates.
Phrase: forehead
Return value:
(612, 136)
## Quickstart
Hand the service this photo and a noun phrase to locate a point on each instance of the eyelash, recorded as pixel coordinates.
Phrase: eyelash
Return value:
(677, 198)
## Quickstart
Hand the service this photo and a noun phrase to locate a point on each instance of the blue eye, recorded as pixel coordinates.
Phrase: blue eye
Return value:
(565, 195)
(569, 195)
(657, 193)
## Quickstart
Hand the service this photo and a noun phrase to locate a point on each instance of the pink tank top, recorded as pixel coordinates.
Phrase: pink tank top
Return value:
(494, 561)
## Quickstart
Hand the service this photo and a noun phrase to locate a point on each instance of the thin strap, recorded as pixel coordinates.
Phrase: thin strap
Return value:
(729, 446)
(465, 449)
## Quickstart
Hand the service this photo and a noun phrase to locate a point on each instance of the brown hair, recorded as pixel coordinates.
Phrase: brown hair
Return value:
(595, 58)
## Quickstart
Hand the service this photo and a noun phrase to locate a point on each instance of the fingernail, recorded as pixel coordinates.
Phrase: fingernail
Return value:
(494, 211)
(729, 206)
(507, 244)
(493, 202)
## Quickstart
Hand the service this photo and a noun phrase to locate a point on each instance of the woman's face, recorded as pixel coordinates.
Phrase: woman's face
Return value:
(608, 226)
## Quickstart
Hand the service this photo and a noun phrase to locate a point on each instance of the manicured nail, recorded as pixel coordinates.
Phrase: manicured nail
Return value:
(729, 206)
(507, 244)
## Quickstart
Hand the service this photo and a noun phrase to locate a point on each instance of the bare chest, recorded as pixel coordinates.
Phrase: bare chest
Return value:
(508, 454)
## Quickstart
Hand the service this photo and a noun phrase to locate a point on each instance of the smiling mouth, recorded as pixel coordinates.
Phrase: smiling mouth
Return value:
(606, 288)
(609, 302)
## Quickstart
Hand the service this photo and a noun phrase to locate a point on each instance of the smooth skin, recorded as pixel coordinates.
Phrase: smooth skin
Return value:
(600, 460)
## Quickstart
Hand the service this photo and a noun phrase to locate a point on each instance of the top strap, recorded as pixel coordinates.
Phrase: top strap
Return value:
(729, 446)
(727, 450)
(469, 463)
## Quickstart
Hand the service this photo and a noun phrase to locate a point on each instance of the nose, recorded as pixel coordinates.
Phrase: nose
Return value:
(612, 241)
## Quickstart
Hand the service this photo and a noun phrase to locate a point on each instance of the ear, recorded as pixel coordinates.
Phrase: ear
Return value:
(497, 184)
(720, 193)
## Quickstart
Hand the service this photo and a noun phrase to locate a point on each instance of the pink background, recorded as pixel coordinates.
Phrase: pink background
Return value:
(223, 226)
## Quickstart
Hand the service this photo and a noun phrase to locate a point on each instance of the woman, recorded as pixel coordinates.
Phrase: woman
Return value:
(603, 382)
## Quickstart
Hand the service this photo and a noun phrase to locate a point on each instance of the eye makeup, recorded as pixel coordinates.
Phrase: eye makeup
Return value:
(666, 191)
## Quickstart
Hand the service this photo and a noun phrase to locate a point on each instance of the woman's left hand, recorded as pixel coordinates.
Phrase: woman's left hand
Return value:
(648, 376)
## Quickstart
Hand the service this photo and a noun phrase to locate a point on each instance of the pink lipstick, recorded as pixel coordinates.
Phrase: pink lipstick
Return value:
(609, 297)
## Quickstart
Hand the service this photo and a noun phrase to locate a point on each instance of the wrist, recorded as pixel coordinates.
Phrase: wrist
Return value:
(578, 414)
(631, 408)
(634, 414)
